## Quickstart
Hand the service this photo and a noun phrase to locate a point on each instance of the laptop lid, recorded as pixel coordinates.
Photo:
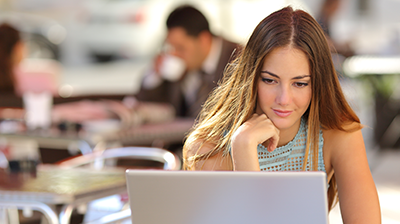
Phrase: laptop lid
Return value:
(208, 197)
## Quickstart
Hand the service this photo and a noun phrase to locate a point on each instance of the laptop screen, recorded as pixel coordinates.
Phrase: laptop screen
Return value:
(199, 197)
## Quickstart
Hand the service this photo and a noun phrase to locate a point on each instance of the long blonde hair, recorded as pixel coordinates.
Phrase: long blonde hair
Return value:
(234, 100)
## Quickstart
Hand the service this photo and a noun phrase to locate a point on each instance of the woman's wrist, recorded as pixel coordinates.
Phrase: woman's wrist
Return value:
(244, 156)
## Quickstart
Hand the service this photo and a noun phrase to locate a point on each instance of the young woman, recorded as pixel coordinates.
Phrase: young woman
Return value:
(280, 107)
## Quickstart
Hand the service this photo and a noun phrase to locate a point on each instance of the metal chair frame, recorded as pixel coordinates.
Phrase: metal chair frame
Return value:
(97, 160)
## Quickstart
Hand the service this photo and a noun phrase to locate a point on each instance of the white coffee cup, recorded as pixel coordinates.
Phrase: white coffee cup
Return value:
(172, 67)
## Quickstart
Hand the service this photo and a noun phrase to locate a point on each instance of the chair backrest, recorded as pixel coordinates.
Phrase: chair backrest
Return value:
(170, 161)
(96, 159)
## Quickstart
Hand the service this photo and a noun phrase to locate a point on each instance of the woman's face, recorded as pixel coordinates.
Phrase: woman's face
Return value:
(284, 87)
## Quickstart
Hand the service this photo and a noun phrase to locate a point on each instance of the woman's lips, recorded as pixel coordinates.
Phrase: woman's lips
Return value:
(282, 113)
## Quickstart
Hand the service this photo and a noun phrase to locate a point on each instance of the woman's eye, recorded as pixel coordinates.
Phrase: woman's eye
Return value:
(268, 81)
(300, 84)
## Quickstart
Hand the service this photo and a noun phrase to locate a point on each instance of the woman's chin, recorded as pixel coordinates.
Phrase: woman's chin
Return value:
(283, 123)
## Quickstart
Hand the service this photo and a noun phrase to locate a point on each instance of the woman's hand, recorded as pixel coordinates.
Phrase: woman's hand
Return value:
(257, 130)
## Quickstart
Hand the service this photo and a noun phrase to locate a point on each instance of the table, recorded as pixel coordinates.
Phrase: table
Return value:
(169, 132)
(52, 185)
(48, 139)
(47, 146)
(172, 132)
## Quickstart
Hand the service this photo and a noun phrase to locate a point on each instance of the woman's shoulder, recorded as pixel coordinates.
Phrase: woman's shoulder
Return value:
(199, 155)
(338, 143)
(198, 147)
(337, 136)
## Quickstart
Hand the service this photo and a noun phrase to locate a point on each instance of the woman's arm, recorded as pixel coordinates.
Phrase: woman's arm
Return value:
(358, 197)
(216, 162)
(257, 130)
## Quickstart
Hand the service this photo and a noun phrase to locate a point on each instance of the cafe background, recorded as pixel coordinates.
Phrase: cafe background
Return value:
(101, 48)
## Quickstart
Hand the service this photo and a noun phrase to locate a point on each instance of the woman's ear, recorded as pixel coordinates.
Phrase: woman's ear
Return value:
(205, 38)
(18, 53)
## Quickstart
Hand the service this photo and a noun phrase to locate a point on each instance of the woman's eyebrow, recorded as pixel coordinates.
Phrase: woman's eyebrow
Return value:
(270, 73)
(301, 76)
(276, 76)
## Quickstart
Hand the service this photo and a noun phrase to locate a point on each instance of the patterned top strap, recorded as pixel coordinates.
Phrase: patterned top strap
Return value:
(290, 157)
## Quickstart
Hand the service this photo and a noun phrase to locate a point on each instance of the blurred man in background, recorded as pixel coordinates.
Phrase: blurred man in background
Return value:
(190, 66)
(327, 12)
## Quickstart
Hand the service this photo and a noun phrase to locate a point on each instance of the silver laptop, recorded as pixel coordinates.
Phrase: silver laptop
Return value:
(211, 197)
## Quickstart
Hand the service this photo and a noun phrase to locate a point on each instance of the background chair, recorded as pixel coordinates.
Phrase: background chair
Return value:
(97, 159)
(115, 209)
(93, 211)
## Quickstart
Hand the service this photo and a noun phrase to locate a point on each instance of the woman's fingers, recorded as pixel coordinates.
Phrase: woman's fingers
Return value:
(271, 132)
(273, 142)
(259, 128)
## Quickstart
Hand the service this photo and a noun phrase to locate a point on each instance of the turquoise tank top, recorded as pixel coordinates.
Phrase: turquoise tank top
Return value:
(290, 157)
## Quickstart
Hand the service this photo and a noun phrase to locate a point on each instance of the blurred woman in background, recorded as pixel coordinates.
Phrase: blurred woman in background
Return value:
(11, 54)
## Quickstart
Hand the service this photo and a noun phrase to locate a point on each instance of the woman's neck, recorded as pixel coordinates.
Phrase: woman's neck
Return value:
(287, 135)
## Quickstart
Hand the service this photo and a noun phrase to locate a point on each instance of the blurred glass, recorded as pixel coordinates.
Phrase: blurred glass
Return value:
(38, 107)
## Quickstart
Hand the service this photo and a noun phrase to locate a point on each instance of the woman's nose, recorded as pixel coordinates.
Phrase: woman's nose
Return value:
(284, 96)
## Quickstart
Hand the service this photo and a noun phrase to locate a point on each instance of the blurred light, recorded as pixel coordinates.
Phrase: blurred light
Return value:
(170, 158)
(137, 16)
(249, 14)
(66, 91)
(371, 65)
(56, 34)
(82, 15)
(389, 198)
